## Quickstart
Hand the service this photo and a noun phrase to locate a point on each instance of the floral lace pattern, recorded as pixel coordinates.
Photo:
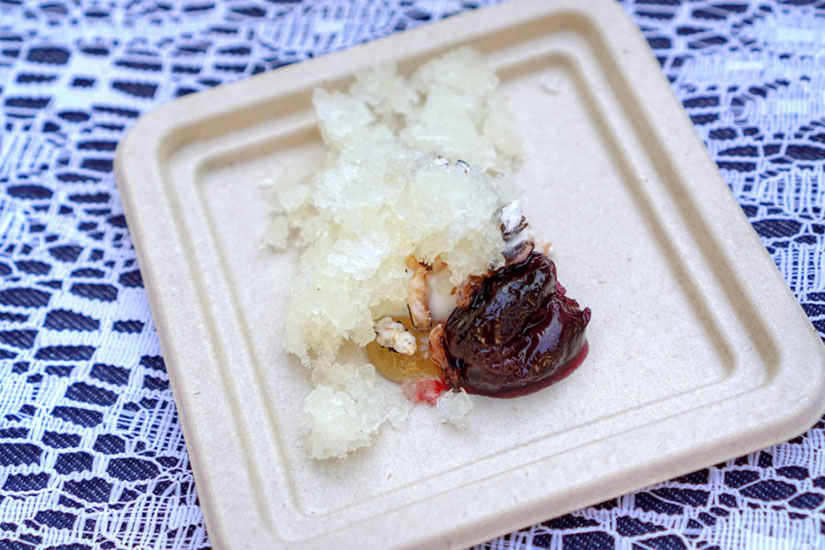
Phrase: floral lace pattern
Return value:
(91, 451)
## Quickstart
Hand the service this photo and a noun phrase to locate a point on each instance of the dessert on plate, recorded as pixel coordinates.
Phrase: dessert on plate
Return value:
(417, 263)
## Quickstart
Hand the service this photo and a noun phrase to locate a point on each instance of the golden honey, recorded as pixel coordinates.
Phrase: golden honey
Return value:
(397, 366)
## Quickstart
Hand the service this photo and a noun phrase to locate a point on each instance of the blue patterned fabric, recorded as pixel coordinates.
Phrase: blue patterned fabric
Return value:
(91, 451)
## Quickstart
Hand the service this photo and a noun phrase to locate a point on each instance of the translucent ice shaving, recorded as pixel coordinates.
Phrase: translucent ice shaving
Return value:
(416, 168)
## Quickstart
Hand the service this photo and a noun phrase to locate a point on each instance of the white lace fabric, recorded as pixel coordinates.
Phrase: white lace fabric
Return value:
(91, 451)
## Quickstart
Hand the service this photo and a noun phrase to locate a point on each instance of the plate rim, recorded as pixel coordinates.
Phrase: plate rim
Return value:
(170, 127)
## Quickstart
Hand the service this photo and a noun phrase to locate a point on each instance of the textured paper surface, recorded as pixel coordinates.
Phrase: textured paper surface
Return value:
(686, 362)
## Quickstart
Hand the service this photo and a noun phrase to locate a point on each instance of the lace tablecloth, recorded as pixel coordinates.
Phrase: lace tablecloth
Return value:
(91, 451)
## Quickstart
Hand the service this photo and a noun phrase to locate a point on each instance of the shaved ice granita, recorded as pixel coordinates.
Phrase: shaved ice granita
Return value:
(414, 249)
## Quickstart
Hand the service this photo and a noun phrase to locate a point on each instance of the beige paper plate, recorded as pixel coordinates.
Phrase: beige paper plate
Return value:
(698, 350)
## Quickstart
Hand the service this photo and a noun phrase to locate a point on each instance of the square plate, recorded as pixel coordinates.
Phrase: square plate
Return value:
(698, 351)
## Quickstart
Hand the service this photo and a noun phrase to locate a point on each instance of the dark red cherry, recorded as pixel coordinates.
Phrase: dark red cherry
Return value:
(519, 334)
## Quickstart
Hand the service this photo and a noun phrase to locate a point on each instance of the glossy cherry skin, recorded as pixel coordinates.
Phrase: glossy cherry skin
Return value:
(519, 334)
